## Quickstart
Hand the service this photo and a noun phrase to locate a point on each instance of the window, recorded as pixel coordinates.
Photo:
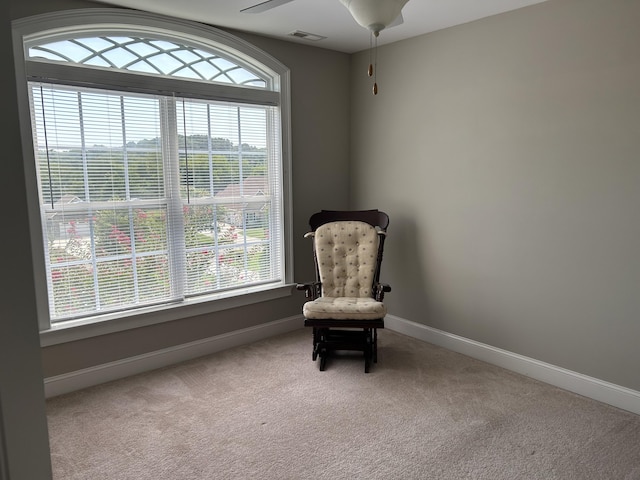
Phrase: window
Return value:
(160, 163)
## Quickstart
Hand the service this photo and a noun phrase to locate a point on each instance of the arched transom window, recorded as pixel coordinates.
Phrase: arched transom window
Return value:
(147, 55)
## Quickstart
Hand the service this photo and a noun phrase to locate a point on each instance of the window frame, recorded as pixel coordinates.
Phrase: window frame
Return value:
(106, 19)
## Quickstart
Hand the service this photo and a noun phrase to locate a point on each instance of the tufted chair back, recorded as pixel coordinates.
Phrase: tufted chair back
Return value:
(346, 253)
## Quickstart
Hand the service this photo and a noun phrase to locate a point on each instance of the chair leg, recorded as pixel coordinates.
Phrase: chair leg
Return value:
(375, 345)
(368, 353)
(323, 360)
(319, 348)
(325, 340)
(314, 355)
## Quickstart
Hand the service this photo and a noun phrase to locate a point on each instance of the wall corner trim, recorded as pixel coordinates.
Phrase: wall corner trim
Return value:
(87, 377)
(612, 394)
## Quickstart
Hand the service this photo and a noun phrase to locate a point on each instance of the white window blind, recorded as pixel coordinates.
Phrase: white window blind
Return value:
(229, 195)
(149, 199)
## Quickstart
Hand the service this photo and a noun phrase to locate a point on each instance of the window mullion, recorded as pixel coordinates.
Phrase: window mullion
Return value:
(175, 219)
(209, 151)
(212, 191)
(273, 205)
(242, 193)
(83, 145)
(87, 196)
(127, 196)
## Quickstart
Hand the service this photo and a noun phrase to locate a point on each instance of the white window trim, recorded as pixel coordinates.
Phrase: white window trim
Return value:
(111, 323)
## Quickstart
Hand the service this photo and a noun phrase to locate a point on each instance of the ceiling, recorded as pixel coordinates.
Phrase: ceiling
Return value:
(326, 18)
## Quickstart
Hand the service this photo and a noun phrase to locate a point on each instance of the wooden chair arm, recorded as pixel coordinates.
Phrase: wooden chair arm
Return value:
(312, 290)
(379, 289)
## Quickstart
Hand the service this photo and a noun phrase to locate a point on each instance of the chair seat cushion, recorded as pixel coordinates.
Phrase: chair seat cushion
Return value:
(344, 308)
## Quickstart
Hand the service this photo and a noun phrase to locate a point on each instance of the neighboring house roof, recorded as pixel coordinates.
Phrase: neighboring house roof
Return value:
(67, 199)
(59, 210)
(250, 187)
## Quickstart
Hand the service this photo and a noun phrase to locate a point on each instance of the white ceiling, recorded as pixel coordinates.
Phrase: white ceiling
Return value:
(327, 18)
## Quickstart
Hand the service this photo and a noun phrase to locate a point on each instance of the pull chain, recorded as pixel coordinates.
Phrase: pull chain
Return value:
(373, 65)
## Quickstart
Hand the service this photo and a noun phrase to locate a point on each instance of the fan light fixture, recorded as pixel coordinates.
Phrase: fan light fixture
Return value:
(374, 15)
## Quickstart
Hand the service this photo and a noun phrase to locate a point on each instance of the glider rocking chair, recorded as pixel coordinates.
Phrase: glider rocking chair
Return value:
(344, 305)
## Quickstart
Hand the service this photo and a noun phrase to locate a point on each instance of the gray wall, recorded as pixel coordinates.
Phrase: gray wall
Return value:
(320, 148)
(507, 153)
(24, 444)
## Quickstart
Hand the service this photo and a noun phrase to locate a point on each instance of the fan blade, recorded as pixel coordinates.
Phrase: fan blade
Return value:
(264, 6)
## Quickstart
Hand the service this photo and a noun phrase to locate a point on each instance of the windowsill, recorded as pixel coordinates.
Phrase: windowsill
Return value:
(117, 322)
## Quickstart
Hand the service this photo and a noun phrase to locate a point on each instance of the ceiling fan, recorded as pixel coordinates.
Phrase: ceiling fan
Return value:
(264, 6)
(374, 15)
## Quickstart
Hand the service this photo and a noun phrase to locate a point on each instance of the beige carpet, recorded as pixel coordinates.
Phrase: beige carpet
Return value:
(264, 411)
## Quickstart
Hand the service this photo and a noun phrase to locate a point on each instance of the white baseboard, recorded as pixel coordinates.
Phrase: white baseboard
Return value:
(107, 372)
(590, 387)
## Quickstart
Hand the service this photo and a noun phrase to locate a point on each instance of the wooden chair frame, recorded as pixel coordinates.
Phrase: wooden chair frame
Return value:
(331, 334)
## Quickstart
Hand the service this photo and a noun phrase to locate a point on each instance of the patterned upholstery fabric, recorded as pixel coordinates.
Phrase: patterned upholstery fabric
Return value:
(344, 308)
(346, 253)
